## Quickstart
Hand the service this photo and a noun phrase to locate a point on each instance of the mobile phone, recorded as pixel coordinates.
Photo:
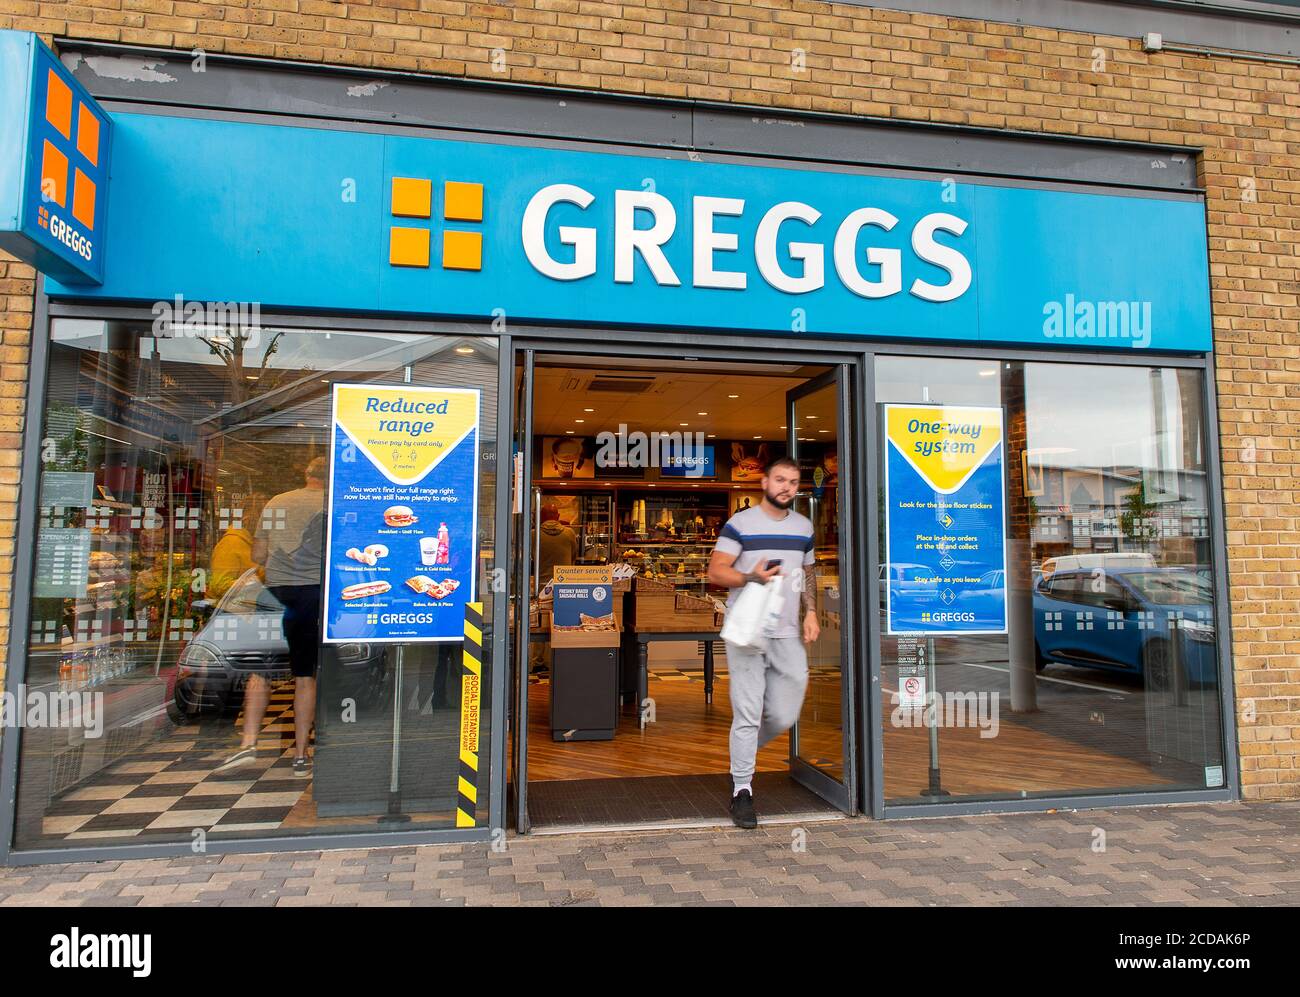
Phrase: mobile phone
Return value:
(771, 564)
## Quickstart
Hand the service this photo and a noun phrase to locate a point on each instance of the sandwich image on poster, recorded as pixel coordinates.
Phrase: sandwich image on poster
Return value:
(401, 547)
(945, 520)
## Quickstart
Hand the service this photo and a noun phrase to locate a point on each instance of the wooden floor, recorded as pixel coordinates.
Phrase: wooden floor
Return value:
(1017, 760)
(690, 738)
(687, 738)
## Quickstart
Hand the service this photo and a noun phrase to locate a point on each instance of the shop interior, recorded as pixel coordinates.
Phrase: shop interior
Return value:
(594, 502)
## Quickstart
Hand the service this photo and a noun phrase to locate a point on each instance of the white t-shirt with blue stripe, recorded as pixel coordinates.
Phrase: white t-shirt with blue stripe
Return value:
(755, 538)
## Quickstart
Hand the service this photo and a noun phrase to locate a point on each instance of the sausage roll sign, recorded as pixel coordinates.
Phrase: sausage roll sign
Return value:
(402, 543)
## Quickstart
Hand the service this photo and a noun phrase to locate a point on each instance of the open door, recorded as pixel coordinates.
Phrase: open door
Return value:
(522, 529)
(821, 755)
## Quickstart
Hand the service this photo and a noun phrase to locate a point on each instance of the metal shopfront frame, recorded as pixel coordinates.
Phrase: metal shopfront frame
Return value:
(867, 713)
(515, 112)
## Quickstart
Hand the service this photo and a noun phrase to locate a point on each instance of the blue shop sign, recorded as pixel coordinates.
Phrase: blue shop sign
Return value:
(313, 218)
(55, 148)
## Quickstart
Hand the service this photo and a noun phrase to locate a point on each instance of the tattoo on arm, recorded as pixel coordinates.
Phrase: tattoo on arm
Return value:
(808, 593)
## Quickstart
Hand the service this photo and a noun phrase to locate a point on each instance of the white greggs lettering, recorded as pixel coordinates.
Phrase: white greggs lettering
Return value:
(707, 242)
(70, 237)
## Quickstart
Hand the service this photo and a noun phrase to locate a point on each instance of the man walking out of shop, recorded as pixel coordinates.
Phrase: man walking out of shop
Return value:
(768, 682)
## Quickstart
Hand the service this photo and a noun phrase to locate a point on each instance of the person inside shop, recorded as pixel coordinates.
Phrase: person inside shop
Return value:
(289, 545)
(232, 556)
(767, 683)
(556, 545)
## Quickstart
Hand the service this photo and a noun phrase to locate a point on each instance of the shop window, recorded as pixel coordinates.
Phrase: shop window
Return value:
(175, 597)
(1107, 677)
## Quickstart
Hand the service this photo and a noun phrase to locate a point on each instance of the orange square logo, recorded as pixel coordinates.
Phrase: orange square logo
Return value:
(58, 105)
(88, 134)
(462, 250)
(462, 202)
(412, 198)
(408, 247)
(54, 175)
(83, 199)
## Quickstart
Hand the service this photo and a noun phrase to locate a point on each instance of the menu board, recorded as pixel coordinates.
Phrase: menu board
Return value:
(401, 546)
(62, 563)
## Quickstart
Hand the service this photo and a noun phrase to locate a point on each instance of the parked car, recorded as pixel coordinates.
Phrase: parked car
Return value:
(1105, 561)
(1119, 619)
(915, 580)
(244, 637)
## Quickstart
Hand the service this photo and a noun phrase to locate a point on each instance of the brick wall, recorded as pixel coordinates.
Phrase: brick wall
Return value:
(828, 57)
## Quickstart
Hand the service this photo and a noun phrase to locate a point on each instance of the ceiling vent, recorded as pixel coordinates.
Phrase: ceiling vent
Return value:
(620, 385)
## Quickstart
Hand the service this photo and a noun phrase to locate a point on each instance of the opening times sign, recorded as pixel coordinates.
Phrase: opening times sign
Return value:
(945, 530)
(402, 544)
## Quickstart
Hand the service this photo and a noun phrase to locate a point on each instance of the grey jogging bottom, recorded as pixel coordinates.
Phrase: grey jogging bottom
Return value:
(767, 686)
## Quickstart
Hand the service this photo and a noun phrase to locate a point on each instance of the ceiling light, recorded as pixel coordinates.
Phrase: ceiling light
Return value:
(989, 373)
(683, 424)
(464, 350)
(758, 437)
(568, 432)
(579, 420)
(701, 413)
(733, 396)
(823, 430)
(589, 410)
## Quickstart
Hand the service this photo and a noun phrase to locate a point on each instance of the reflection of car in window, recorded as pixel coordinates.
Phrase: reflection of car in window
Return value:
(1139, 619)
(243, 637)
(915, 580)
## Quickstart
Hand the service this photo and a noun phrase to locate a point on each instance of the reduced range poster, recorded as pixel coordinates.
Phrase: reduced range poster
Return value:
(401, 548)
(945, 531)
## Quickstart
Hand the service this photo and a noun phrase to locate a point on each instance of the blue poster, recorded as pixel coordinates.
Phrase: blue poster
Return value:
(945, 533)
(583, 606)
(402, 544)
(688, 462)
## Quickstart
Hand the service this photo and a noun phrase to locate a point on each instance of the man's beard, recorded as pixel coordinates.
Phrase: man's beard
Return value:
(777, 502)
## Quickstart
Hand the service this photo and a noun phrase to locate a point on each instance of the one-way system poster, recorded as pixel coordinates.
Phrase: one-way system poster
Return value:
(403, 513)
(945, 531)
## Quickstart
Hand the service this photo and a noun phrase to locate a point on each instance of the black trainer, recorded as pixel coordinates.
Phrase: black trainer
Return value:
(742, 810)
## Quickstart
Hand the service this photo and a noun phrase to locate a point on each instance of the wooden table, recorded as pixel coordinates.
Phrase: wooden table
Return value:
(639, 640)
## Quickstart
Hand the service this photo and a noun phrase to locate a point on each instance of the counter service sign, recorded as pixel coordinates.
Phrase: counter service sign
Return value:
(945, 520)
(583, 601)
(401, 556)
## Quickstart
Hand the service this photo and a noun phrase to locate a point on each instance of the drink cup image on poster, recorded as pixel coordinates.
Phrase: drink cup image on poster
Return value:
(402, 543)
(945, 520)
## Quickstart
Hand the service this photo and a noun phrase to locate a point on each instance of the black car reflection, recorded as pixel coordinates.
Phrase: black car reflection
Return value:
(244, 637)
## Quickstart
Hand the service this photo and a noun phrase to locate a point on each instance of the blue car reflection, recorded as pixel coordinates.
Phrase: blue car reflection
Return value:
(1141, 620)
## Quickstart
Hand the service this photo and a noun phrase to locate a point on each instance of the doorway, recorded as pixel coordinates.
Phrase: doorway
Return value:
(634, 464)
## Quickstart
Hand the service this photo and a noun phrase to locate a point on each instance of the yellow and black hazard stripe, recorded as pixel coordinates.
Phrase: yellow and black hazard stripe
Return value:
(471, 675)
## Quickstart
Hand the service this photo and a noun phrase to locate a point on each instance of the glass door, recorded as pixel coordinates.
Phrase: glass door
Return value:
(821, 755)
(522, 529)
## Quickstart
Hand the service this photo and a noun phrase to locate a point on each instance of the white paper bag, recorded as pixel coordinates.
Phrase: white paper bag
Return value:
(772, 608)
(743, 624)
